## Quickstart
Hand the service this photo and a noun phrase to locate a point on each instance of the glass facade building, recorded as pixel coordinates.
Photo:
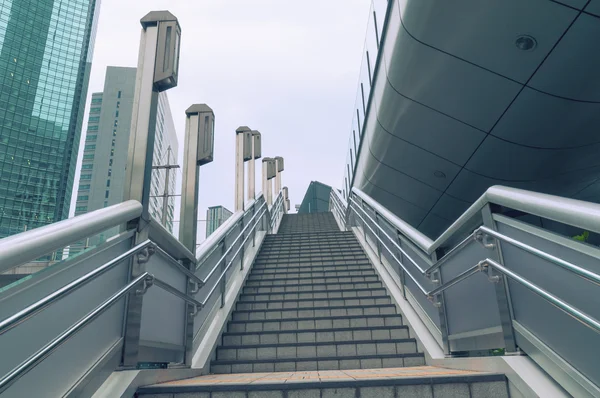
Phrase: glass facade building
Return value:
(215, 216)
(102, 179)
(45, 60)
(316, 198)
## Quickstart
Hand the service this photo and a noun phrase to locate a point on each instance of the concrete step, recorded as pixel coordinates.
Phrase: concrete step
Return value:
(420, 381)
(316, 350)
(316, 312)
(278, 268)
(308, 288)
(315, 294)
(309, 274)
(312, 281)
(316, 335)
(317, 363)
(313, 303)
(312, 323)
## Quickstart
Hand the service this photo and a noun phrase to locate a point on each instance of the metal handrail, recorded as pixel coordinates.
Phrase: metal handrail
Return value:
(212, 271)
(572, 212)
(30, 245)
(35, 308)
(31, 362)
(582, 272)
(179, 267)
(275, 209)
(224, 272)
(167, 287)
(552, 299)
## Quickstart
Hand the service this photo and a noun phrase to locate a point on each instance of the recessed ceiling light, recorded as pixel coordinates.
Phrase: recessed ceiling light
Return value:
(525, 43)
(439, 174)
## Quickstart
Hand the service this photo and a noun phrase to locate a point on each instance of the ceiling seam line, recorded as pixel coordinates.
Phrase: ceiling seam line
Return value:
(512, 102)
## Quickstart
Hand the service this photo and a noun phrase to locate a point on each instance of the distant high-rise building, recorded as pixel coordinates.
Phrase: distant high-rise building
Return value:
(215, 216)
(316, 198)
(45, 61)
(106, 147)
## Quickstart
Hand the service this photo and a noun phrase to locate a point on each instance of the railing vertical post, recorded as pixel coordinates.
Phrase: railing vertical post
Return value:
(503, 297)
(243, 222)
(159, 46)
(378, 236)
(402, 273)
(256, 227)
(442, 311)
(224, 280)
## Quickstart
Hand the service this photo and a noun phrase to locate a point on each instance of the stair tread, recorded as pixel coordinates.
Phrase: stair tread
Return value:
(278, 381)
(317, 343)
(319, 308)
(350, 329)
(307, 359)
(312, 318)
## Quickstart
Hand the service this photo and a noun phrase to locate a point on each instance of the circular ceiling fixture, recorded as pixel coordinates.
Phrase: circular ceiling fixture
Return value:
(439, 174)
(525, 43)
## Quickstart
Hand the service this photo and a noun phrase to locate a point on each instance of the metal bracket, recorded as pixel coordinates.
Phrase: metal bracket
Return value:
(485, 240)
(144, 255)
(195, 310)
(148, 281)
(195, 287)
(491, 277)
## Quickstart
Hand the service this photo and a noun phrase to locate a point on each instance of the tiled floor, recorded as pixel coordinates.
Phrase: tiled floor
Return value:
(319, 376)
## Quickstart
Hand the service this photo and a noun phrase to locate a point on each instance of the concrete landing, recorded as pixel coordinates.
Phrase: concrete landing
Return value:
(340, 379)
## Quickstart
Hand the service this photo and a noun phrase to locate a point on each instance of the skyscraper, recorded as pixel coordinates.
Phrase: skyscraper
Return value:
(45, 60)
(215, 216)
(106, 148)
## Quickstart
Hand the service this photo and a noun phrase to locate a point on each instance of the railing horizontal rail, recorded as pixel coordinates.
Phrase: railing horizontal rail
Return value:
(30, 245)
(28, 312)
(168, 288)
(224, 272)
(27, 365)
(582, 272)
(213, 270)
(179, 267)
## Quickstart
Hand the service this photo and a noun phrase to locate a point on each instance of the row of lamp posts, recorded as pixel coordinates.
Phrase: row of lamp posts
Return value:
(157, 71)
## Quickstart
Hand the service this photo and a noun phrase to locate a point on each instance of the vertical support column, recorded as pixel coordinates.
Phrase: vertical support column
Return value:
(243, 152)
(158, 65)
(265, 166)
(198, 150)
(269, 193)
(256, 154)
(501, 285)
(278, 170)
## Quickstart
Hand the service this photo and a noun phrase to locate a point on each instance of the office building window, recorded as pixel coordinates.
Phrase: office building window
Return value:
(109, 172)
(81, 208)
(96, 100)
(95, 110)
(118, 104)
(119, 94)
(83, 197)
(86, 177)
(117, 114)
(92, 128)
(107, 183)
(84, 187)
(87, 166)
(93, 119)
(113, 142)
(89, 156)
(91, 138)
(106, 195)
(90, 147)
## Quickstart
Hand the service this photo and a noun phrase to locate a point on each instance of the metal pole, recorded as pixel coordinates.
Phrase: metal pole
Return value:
(239, 167)
(166, 191)
(159, 45)
(251, 175)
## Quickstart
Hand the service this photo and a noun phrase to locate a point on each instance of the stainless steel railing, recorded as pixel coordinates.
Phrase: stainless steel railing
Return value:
(567, 210)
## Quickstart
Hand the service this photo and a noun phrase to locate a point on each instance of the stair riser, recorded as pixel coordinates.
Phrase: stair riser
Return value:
(340, 364)
(312, 303)
(293, 325)
(310, 288)
(319, 337)
(309, 313)
(249, 298)
(339, 350)
(311, 281)
(306, 275)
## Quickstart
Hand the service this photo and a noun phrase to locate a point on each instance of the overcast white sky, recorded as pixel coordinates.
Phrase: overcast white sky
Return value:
(286, 68)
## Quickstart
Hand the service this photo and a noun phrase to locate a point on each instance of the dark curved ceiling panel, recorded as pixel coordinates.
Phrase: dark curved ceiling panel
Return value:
(458, 107)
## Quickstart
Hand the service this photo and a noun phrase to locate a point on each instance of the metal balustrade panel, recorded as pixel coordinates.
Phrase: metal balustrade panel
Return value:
(471, 305)
(163, 315)
(574, 342)
(64, 367)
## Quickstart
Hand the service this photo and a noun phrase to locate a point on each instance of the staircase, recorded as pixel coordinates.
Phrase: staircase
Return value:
(313, 305)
